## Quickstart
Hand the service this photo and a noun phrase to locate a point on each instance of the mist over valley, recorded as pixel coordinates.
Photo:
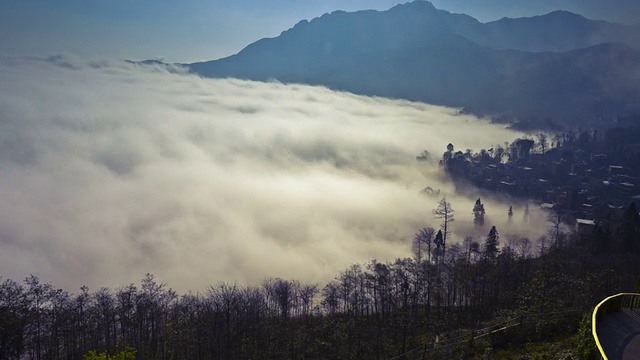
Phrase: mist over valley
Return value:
(112, 170)
(397, 182)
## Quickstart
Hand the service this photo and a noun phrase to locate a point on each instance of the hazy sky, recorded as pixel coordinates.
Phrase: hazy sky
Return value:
(112, 170)
(195, 30)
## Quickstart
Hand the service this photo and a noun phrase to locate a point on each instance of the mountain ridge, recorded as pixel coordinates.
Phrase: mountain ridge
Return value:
(509, 68)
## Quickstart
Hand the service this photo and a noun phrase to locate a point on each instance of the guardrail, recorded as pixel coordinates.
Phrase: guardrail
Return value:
(609, 305)
(426, 350)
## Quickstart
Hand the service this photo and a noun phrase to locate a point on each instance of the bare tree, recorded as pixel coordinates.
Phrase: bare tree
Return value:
(424, 236)
(470, 247)
(555, 220)
(522, 246)
(543, 245)
(285, 293)
(444, 211)
(307, 295)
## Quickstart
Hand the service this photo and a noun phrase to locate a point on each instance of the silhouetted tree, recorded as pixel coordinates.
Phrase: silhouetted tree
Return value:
(447, 156)
(499, 153)
(13, 319)
(423, 237)
(491, 244)
(555, 220)
(522, 246)
(445, 212)
(439, 240)
(520, 148)
(478, 213)
(469, 247)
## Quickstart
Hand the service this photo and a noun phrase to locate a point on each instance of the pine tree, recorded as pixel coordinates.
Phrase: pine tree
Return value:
(439, 242)
(478, 213)
(491, 244)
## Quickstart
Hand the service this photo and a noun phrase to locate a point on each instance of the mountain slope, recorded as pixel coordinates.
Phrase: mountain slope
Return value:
(417, 52)
(556, 31)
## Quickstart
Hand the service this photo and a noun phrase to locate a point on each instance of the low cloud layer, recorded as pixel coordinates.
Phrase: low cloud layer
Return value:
(112, 170)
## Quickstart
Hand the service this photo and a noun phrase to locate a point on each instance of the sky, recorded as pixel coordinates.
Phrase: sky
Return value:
(196, 30)
(112, 170)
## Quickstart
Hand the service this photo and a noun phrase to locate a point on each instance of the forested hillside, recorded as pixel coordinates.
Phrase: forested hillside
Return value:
(474, 297)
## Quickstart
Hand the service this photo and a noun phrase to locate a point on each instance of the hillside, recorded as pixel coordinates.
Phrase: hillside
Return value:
(559, 66)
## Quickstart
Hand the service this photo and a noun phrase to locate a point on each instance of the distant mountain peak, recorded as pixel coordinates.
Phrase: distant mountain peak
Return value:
(413, 5)
(541, 66)
(564, 14)
(556, 16)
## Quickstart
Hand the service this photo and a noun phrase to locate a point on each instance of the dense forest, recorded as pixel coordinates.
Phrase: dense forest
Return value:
(439, 303)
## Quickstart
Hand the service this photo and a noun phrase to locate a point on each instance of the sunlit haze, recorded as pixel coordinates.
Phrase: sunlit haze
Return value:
(112, 170)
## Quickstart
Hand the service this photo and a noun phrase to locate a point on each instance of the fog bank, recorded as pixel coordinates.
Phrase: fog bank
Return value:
(111, 170)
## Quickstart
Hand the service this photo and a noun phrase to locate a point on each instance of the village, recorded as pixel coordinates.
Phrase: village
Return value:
(585, 178)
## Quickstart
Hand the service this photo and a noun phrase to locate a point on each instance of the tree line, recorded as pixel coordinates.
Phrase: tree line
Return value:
(374, 310)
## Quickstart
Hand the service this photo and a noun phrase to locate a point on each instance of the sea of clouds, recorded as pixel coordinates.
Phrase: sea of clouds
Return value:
(110, 170)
